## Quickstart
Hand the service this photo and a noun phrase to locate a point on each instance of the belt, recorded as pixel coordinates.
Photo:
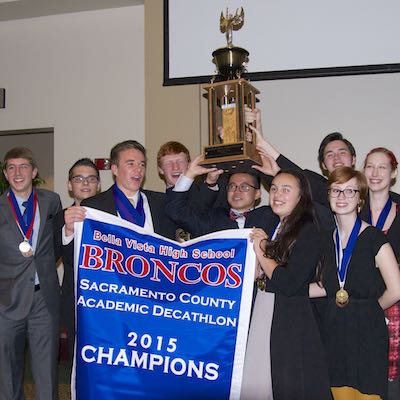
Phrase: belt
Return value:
(37, 287)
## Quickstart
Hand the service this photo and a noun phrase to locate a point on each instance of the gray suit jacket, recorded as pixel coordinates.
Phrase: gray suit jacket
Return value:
(17, 273)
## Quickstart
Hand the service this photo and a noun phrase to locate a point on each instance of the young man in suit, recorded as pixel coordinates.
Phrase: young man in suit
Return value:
(242, 193)
(83, 182)
(126, 198)
(29, 287)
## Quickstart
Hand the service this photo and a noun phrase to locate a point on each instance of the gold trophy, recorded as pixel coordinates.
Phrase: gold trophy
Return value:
(232, 145)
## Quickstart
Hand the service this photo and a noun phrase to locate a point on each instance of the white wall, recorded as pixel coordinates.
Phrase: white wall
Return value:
(82, 74)
(298, 113)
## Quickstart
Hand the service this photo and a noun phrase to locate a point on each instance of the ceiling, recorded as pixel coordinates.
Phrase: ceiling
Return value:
(18, 9)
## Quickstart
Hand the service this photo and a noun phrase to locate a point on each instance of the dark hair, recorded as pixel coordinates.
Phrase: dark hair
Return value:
(126, 145)
(253, 175)
(330, 138)
(344, 174)
(172, 148)
(280, 249)
(20, 152)
(83, 162)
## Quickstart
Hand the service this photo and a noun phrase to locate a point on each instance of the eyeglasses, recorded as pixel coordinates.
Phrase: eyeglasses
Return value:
(243, 187)
(86, 179)
(348, 193)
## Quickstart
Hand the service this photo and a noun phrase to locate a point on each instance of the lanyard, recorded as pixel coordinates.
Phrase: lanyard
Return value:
(127, 210)
(382, 216)
(343, 257)
(26, 229)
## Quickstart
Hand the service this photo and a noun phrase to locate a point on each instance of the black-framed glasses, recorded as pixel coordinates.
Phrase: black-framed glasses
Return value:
(86, 179)
(243, 187)
(348, 193)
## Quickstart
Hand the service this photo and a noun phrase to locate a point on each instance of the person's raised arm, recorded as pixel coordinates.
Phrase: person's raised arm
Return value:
(387, 264)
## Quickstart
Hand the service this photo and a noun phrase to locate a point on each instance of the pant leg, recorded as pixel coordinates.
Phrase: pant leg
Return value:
(12, 353)
(43, 336)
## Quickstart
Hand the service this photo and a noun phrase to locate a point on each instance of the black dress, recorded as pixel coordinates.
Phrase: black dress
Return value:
(355, 336)
(297, 363)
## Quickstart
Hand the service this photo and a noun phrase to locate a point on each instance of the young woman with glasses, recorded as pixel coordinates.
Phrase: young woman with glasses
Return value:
(360, 278)
(285, 357)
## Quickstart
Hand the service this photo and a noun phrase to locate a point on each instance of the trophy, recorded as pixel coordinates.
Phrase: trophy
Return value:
(232, 145)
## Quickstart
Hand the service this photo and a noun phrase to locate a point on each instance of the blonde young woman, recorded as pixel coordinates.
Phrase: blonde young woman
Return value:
(360, 278)
(380, 169)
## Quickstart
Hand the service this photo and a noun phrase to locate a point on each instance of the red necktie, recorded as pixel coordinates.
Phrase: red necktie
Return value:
(235, 215)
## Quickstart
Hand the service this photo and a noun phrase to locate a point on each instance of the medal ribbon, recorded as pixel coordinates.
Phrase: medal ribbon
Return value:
(382, 216)
(343, 257)
(126, 209)
(275, 234)
(25, 228)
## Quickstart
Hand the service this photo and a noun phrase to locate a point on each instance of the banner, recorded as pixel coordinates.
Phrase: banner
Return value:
(157, 319)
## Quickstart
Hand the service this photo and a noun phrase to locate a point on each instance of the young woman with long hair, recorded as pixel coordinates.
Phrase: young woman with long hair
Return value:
(285, 358)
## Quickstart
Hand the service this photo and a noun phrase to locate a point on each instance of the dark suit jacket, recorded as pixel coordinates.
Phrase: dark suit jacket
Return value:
(197, 223)
(17, 273)
(162, 224)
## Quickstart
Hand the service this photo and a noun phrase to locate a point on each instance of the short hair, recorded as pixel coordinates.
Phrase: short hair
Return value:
(122, 146)
(344, 174)
(172, 147)
(20, 152)
(253, 175)
(83, 162)
(392, 158)
(330, 138)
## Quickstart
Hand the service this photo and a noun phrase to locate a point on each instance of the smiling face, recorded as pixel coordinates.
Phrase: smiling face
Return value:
(344, 204)
(243, 201)
(284, 195)
(172, 166)
(19, 174)
(379, 173)
(83, 189)
(337, 154)
(129, 171)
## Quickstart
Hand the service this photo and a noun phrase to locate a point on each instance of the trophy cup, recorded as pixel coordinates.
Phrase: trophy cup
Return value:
(232, 145)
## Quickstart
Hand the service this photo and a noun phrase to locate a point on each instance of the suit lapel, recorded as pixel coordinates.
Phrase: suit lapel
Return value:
(43, 205)
(5, 209)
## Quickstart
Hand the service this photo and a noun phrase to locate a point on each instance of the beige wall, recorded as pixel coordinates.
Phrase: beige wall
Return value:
(81, 74)
(297, 113)
(171, 113)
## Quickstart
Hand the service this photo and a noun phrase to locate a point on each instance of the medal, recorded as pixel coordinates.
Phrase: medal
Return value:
(343, 260)
(25, 225)
(342, 298)
(26, 249)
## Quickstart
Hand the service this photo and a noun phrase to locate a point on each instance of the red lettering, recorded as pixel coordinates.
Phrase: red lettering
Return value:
(183, 274)
(91, 254)
(141, 262)
(232, 274)
(206, 272)
(160, 266)
(113, 259)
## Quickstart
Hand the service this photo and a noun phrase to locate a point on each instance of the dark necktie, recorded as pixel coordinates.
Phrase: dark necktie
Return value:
(25, 213)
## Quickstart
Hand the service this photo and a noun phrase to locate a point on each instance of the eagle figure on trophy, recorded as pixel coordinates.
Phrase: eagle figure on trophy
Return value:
(229, 22)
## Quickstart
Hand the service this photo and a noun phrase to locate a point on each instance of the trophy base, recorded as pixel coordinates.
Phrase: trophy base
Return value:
(235, 157)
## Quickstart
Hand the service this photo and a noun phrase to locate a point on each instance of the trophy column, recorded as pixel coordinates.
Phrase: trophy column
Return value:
(232, 145)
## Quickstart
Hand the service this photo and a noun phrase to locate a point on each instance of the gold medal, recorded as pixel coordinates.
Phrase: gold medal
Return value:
(25, 249)
(261, 282)
(342, 298)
